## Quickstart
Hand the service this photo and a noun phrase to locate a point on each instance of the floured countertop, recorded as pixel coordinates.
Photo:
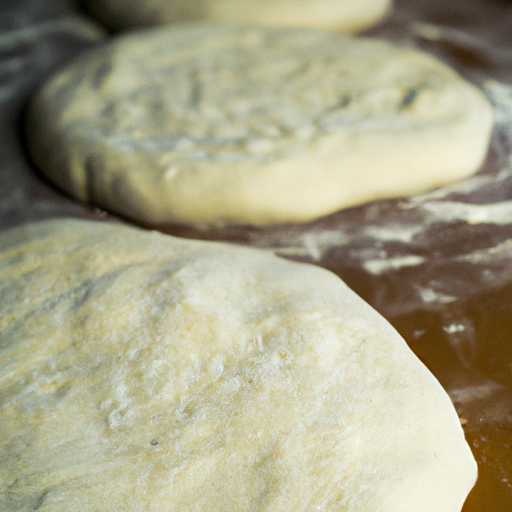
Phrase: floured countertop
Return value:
(439, 266)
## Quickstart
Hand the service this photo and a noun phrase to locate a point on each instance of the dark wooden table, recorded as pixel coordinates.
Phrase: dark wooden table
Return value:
(438, 266)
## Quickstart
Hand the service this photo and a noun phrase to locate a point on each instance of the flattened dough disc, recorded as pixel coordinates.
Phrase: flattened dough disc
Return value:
(344, 15)
(207, 124)
(142, 372)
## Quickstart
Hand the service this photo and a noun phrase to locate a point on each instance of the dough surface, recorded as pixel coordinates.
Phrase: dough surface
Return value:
(206, 124)
(142, 372)
(344, 15)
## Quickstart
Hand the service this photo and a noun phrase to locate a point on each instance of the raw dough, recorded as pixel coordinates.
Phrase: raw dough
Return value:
(345, 15)
(213, 123)
(147, 373)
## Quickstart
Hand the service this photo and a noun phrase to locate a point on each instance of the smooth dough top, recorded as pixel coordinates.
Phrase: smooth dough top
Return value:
(343, 15)
(140, 372)
(207, 124)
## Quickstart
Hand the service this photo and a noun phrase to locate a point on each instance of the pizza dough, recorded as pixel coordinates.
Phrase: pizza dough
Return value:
(344, 15)
(213, 124)
(142, 372)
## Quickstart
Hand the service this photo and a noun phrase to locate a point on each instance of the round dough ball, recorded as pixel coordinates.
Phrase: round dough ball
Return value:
(142, 372)
(343, 15)
(207, 124)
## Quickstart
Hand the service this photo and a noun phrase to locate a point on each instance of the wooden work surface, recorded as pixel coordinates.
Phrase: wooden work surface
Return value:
(439, 266)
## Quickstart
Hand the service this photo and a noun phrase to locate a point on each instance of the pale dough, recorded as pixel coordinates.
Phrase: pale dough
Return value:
(214, 123)
(141, 372)
(343, 15)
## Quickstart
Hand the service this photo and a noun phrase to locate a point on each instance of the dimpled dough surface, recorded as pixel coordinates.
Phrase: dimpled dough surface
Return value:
(345, 15)
(142, 372)
(206, 124)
